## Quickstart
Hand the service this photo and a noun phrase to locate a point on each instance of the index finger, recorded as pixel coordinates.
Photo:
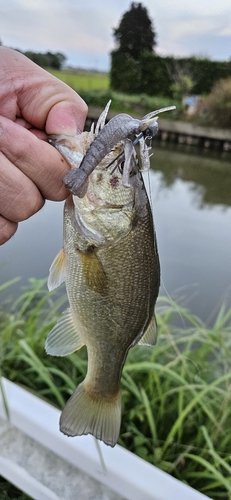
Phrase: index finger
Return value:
(35, 158)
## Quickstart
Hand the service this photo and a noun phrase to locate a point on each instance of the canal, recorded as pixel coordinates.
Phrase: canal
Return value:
(191, 199)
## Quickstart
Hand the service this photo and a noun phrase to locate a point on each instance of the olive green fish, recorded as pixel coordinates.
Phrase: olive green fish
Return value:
(111, 267)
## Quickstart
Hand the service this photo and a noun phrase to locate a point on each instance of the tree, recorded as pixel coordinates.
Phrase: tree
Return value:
(134, 37)
(55, 60)
(135, 33)
(181, 77)
(60, 58)
(48, 59)
(125, 73)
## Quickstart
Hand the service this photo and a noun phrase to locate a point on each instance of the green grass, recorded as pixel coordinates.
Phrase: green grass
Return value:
(82, 80)
(94, 88)
(176, 396)
(9, 492)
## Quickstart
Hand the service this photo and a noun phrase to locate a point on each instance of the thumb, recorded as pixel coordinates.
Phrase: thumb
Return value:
(66, 118)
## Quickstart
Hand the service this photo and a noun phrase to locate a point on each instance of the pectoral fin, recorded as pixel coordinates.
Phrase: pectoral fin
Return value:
(150, 334)
(63, 339)
(57, 272)
(93, 270)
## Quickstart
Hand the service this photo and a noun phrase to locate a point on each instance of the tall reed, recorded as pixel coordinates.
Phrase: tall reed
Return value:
(176, 396)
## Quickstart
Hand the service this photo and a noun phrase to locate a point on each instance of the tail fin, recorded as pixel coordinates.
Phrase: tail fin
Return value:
(85, 415)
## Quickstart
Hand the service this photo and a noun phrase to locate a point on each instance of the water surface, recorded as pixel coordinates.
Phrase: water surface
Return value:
(192, 210)
(191, 197)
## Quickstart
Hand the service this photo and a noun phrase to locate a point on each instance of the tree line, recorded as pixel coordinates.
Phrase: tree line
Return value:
(53, 60)
(165, 76)
(136, 68)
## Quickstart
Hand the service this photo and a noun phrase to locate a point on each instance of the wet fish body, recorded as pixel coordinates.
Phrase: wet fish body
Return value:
(111, 267)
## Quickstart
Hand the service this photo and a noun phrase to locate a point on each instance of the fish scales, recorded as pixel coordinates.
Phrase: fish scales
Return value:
(111, 266)
(128, 258)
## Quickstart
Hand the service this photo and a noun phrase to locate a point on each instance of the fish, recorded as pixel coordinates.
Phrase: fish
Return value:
(111, 267)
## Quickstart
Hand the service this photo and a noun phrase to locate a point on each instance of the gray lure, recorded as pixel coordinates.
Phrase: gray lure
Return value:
(117, 129)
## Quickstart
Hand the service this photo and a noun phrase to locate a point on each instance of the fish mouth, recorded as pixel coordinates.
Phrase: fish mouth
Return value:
(52, 139)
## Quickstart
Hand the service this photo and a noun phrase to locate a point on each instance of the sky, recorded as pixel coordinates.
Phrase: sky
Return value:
(83, 31)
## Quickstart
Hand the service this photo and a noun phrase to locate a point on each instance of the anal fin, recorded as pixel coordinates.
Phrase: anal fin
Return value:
(63, 339)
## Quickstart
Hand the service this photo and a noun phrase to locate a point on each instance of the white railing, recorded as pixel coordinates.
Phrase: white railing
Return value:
(127, 475)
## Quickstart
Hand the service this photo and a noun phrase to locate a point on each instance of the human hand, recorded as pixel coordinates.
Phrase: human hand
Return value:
(33, 104)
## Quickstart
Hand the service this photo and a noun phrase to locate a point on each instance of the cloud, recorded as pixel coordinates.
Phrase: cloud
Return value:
(194, 32)
(178, 8)
(59, 26)
(83, 31)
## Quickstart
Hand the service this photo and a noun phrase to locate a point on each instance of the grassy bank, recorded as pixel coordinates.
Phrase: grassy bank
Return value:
(83, 80)
(176, 396)
(94, 88)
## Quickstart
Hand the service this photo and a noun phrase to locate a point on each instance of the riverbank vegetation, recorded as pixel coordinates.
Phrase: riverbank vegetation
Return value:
(176, 396)
(212, 110)
(136, 67)
(139, 78)
(82, 80)
(94, 88)
(215, 109)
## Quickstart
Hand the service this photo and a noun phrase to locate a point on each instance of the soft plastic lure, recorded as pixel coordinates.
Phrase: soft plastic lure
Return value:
(117, 129)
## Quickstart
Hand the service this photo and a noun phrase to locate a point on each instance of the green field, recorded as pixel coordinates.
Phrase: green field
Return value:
(176, 396)
(94, 88)
(83, 80)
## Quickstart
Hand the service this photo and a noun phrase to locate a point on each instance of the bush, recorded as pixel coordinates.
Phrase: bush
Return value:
(133, 104)
(125, 73)
(215, 109)
(156, 75)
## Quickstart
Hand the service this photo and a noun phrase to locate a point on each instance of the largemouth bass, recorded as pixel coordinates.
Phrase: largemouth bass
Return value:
(111, 267)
